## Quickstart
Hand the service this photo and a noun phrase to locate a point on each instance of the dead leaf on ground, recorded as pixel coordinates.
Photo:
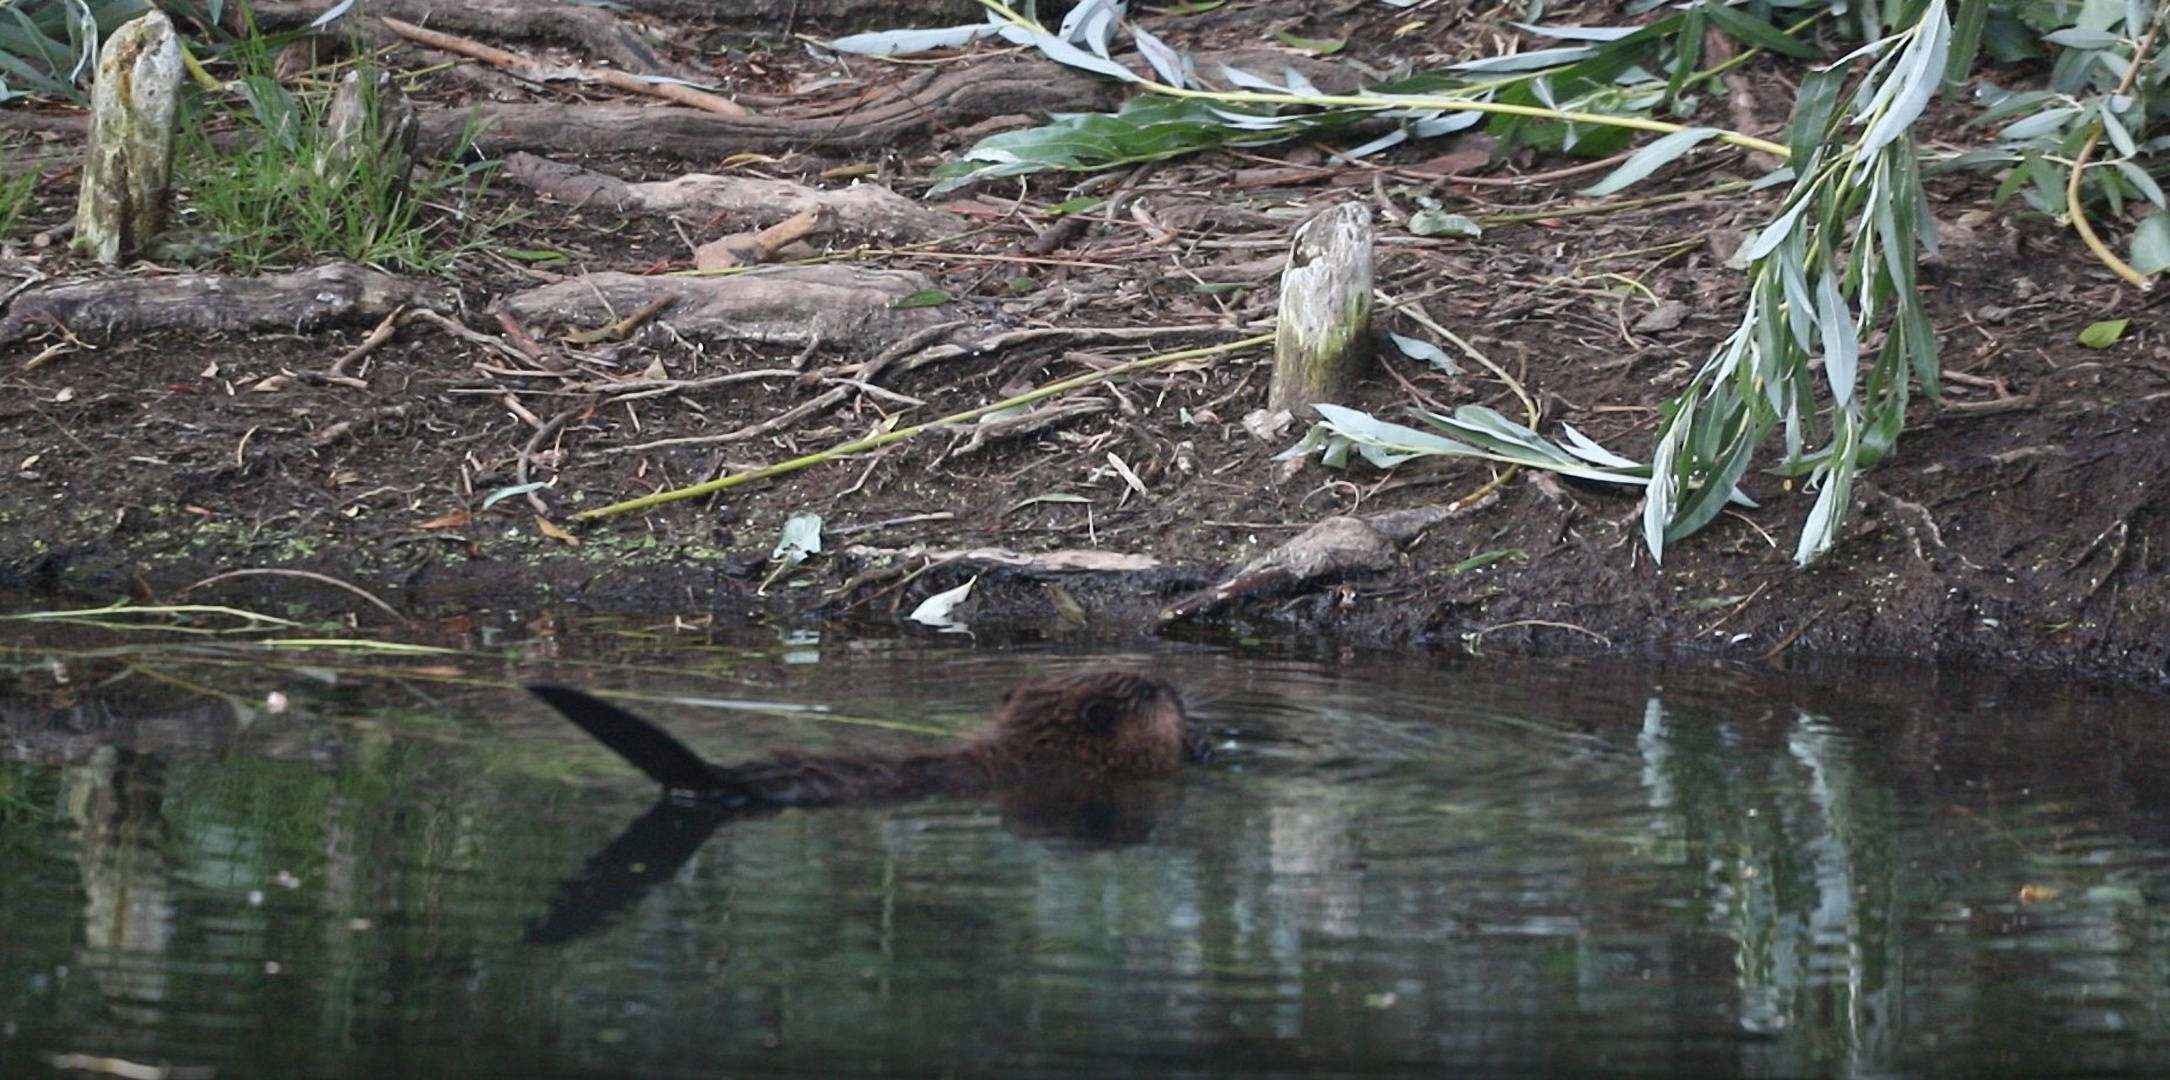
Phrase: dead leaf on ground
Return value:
(554, 532)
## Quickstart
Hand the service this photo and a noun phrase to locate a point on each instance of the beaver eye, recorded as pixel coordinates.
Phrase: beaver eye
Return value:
(1099, 714)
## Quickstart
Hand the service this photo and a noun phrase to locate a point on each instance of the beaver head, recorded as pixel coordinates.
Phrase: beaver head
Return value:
(1100, 722)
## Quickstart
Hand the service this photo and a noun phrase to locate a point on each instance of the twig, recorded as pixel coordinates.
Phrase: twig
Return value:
(377, 337)
(1477, 637)
(885, 438)
(623, 328)
(527, 454)
(2117, 557)
(543, 356)
(1416, 312)
(636, 389)
(864, 474)
(1786, 642)
(68, 343)
(344, 428)
(540, 72)
(476, 337)
(827, 398)
(908, 519)
(1737, 609)
(513, 405)
(306, 575)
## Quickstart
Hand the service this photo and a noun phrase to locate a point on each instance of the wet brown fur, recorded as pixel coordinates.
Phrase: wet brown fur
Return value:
(1069, 728)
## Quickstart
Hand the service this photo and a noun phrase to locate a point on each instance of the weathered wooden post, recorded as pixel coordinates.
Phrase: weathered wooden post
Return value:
(371, 127)
(125, 180)
(1321, 344)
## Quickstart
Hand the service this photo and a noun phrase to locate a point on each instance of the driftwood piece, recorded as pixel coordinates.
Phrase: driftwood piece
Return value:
(774, 19)
(1064, 561)
(796, 306)
(1324, 330)
(1333, 549)
(122, 203)
(862, 211)
(912, 111)
(755, 247)
(104, 309)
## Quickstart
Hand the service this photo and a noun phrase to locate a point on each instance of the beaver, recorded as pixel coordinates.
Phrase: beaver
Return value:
(1066, 730)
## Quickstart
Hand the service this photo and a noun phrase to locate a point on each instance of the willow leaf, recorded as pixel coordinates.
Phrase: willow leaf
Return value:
(1650, 158)
(1744, 27)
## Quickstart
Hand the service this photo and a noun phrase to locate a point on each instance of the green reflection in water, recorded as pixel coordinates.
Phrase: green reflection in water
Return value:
(1395, 870)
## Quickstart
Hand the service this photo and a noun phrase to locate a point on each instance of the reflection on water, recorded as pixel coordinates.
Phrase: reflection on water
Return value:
(1394, 867)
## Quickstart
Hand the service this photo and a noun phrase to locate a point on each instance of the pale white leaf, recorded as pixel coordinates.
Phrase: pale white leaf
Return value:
(906, 42)
(1587, 448)
(940, 609)
(1841, 342)
(801, 538)
(1172, 66)
(1533, 60)
(1416, 349)
(1579, 33)
(1650, 158)
(501, 494)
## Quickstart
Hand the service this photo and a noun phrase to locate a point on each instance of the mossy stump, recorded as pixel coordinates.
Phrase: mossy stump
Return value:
(129, 170)
(1321, 344)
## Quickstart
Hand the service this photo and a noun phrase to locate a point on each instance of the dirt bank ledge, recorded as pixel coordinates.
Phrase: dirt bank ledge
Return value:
(2021, 523)
(2025, 537)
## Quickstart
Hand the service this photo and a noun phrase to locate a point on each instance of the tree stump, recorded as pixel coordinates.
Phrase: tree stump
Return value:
(130, 166)
(369, 138)
(1321, 344)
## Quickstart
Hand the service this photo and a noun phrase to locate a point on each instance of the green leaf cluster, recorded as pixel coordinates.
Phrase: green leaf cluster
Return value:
(1148, 128)
(49, 47)
(1831, 306)
(2106, 102)
(1833, 270)
(1473, 431)
(1633, 71)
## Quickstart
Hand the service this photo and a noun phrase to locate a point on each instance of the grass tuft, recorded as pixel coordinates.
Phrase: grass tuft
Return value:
(16, 188)
(284, 196)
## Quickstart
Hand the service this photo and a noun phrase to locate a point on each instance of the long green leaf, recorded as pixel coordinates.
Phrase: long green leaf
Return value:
(1754, 31)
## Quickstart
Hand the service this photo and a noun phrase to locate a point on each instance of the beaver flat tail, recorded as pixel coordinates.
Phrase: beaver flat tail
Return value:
(643, 745)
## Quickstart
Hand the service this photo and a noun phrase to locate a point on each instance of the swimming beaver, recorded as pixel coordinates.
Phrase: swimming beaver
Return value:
(1067, 729)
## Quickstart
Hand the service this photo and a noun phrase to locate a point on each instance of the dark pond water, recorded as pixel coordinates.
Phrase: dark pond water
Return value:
(1396, 866)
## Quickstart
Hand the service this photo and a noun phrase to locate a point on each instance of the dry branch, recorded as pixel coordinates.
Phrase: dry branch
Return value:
(846, 307)
(911, 111)
(103, 309)
(1334, 549)
(541, 72)
(862, 211)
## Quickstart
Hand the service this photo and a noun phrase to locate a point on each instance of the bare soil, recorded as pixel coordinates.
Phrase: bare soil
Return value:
(2021, 524)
